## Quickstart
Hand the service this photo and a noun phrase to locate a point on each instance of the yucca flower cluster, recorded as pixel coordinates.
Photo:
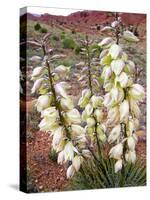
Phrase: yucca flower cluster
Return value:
(59, 116)
(93, 115)
(121, 100)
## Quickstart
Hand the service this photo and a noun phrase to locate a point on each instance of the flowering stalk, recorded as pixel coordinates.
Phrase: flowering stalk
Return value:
(92, 114)
(121, 100)
(59, 117)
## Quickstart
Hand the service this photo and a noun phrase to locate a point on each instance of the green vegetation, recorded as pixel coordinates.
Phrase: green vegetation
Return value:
(37, 27)
(68, 43)
(94, 175)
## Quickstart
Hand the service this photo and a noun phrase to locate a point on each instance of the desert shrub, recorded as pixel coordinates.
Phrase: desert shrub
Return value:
(62, 35)
(93, 175)
(77, 49)
(37, 27)
(55, 37)
(68, 43)
(43, 30)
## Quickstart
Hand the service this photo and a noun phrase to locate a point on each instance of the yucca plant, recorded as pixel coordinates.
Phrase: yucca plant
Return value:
(93, 175)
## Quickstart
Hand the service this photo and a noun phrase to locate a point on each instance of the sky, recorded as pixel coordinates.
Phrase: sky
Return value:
(53, 11)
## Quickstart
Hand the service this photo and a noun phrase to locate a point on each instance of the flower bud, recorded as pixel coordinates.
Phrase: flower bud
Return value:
(114, 24)
(124, 110)
(101, 134)
(90, 122)
(116, 151)
(70, 171)
(118, 165)
(114, 134)
(117, 66)
(130, 37)
(115, 51)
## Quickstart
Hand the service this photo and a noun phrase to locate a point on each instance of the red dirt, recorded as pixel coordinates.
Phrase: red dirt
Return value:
(47, 175)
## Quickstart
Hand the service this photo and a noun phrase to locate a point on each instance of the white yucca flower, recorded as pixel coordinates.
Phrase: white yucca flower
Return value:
(91, 121)
(43, 102)
(107, 72)
(66, 103)
(89, 109)
(77, 129)
(58, 135)
(70, 171)
(113, 115)
(116, 151)
(69, 151)
(48, 124)
(61, 70)
(130, 156)
(124, 110)
(76, 162)
(98, 115)
(61, 158)
(96, 101)
(50, 112)
(106, 42)
(107, 100)
(117, 95)
(123, 79)
(37, 72)
(118, 165)
(37, 85)
(117, 66)
(133, 125)
(129, 36)
(130, 67)
(60, 89)
(137, 92)
(114, 134)
(73, 116)
(131, 143)
(135, 108)
(103, 53)
(115, 51)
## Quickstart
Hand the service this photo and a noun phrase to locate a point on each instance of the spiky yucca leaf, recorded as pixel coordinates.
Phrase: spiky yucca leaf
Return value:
(94, 175)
